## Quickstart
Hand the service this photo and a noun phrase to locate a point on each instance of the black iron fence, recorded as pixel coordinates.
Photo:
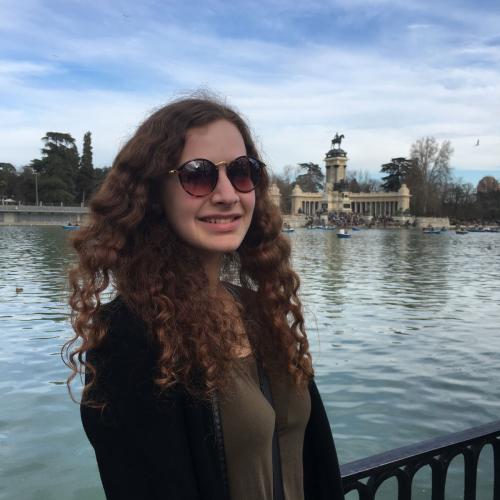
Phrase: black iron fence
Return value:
(366, 475)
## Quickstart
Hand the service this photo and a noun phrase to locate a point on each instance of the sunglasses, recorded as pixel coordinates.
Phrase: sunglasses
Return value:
(199, 177)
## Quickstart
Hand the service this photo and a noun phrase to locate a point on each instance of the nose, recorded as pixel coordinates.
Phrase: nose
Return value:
(224, 191)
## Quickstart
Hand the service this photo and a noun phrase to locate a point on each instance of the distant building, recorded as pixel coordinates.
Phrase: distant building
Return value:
(336, 198)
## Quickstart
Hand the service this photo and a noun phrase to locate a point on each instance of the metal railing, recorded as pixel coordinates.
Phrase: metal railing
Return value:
(403, 463)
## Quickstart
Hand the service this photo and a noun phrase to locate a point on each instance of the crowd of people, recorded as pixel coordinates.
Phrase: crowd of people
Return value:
(344, 219)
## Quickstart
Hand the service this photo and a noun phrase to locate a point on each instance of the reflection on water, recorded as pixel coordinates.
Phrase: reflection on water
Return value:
(403, 329)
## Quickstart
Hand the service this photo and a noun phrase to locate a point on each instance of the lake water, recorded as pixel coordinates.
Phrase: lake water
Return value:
(404, 330)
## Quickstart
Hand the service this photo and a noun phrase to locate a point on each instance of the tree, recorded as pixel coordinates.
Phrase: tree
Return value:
(353, 186)
(429, 175)
(285, 184)
(460, 201)
(24, 187)
(312, 181)
(57, 167)
(397, 170)
(488, 198)
(487, 184)
(365, 182)
(86, 171)
(99, 176)
(7, 180)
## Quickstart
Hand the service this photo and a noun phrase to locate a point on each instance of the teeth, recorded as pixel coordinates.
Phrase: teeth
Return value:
(225, 220)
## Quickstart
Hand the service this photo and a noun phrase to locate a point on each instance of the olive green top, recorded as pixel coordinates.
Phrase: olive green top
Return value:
(248, 424)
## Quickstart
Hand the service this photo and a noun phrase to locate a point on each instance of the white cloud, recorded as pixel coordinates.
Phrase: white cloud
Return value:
(295, 97)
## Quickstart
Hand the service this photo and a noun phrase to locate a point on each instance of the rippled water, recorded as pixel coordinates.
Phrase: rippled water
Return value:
(403, 328)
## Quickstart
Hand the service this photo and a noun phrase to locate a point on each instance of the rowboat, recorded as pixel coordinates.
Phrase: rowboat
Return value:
(342, 233)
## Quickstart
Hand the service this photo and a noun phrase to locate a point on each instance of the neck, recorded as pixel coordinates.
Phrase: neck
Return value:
(212, 265)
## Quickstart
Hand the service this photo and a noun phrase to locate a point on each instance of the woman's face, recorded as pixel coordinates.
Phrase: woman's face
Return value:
(218, 222)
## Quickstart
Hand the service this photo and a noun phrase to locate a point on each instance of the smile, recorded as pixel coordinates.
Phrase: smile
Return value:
(219, 220)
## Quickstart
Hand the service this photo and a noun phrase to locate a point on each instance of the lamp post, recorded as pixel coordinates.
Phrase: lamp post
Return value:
(36, 187)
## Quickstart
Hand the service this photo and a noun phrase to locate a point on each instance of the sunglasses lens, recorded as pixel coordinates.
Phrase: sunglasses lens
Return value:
(244, 174)
(198, 177)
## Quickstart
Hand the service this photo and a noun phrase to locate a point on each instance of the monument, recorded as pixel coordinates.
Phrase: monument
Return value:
(337, 198)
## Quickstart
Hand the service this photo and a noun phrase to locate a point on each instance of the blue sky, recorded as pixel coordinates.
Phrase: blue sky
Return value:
(382, 72)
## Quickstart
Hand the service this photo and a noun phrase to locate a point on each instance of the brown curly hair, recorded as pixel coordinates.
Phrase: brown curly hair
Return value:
(129, 246)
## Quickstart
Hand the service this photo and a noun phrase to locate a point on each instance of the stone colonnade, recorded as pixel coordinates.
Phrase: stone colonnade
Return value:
(311, 207)
(375, 208)
(379, 203)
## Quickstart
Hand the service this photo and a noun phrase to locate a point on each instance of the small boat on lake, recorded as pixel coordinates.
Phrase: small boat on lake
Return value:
(431, 230)
(288, 230)
(461, 231)
(354, 228)
(71, 227)
(342, 233)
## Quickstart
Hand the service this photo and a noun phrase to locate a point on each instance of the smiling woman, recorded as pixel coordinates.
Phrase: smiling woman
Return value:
(195, 387)
(210, 207)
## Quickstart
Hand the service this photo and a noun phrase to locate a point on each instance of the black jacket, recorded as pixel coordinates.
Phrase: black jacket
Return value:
(169, 448)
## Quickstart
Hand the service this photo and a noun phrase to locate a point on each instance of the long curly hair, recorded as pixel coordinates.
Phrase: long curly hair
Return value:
(129, 247)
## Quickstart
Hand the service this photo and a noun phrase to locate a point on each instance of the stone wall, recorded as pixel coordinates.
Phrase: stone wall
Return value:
(25, 215)
(432, 221)
(295, 221)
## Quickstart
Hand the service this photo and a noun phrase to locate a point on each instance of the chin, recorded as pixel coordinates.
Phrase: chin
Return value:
(228, 246)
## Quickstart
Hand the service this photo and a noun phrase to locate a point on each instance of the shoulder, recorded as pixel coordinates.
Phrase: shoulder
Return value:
(124, 360)
(121, 324)
(125, 346)
(116, 311)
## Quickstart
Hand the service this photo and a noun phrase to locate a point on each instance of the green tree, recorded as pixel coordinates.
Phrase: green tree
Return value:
(8, 176)
(58, 168)
(99, 176)
(24, 188)
(312, 181)
(429, 175)
(86, 171)
(396, 170)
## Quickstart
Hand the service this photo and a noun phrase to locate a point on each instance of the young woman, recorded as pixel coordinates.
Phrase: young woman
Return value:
(199, 383)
